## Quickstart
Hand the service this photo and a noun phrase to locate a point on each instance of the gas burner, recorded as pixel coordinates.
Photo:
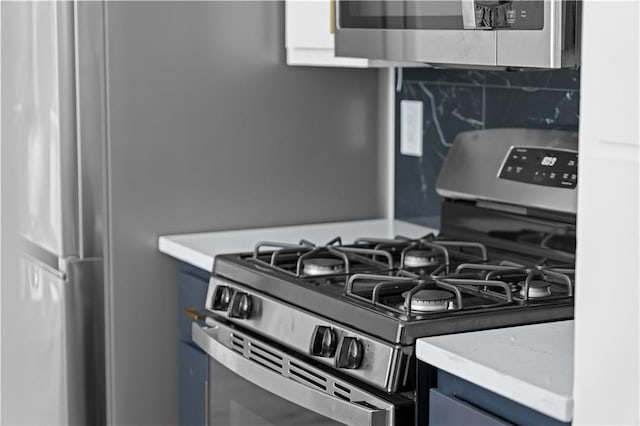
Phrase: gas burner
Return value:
(537, 289)
(430, 300)
(420, 258)
(323, 266)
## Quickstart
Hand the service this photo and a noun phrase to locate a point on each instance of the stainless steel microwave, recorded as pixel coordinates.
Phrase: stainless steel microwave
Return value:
(499, 33)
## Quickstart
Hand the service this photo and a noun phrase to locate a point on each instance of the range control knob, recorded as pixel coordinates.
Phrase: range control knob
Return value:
(349, 353)
(222, 298)
(323, 342)
(241, 306)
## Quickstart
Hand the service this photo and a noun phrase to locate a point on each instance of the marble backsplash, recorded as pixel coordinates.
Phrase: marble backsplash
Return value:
(459, 100)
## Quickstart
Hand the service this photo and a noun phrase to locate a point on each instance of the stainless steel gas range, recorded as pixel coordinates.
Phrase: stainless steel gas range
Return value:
(324, 332)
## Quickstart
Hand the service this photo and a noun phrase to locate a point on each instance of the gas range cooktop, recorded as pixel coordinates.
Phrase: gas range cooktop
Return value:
(401, 289)
(504, 256)
(417, 277)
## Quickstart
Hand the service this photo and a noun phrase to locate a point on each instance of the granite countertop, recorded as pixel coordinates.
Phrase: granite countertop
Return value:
(200, 249)
(532, 364)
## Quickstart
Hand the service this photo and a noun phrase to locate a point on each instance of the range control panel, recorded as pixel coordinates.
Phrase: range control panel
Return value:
(540, 166)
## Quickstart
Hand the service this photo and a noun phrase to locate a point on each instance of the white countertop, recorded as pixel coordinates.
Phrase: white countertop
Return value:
(532, 364)
(200, 249)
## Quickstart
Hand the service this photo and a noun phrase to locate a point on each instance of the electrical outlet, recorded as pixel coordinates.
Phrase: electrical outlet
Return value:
(411, 128)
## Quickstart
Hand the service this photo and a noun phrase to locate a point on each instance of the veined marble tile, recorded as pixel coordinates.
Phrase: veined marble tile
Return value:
(568, 79)
(543, 109)
(448, 110)
(439, 75)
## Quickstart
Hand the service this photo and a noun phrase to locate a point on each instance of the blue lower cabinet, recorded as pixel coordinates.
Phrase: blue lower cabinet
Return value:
(192, 382)
(450, 411)
(192, 362)
(192, 292)
(446, 399)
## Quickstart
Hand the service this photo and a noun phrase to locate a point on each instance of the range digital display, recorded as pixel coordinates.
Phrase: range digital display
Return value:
(540, 166)
(549, 161)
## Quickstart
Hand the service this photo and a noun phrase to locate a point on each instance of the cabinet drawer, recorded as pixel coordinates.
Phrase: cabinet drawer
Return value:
(479, 398)
(449, 411)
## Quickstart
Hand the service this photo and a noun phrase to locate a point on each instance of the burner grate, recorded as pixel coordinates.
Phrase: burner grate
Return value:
(473, 285)
(306, 259)
(428, 251)
(393, 274)
(526, 280)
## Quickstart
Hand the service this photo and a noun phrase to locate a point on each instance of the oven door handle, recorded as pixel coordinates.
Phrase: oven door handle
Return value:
(297, 393)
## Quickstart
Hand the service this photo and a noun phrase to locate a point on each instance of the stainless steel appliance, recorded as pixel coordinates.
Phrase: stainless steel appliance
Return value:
(307, 334)
(53, 317)
(504, 33)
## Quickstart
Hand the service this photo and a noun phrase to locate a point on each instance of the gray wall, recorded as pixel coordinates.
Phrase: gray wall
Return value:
(210, 130)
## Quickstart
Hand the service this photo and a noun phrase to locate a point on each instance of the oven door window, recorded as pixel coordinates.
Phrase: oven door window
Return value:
(234, 401)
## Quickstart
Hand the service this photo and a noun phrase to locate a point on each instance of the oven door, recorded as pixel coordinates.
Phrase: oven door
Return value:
(252, 382)
(519, 33)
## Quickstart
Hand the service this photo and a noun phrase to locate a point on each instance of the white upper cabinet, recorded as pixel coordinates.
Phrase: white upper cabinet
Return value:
(309, 36)
(609, 95)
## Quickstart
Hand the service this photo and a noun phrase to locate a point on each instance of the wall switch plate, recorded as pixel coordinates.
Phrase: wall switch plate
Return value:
(411, 128)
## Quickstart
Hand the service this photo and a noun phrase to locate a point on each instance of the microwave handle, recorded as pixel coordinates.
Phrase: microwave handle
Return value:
(297, 393)
(469, 14)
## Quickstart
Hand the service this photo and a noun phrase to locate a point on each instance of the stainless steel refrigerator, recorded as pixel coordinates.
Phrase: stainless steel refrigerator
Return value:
(53, 318)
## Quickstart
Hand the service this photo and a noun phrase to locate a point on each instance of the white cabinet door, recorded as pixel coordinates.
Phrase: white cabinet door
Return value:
(607, 330)
(609, 97)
